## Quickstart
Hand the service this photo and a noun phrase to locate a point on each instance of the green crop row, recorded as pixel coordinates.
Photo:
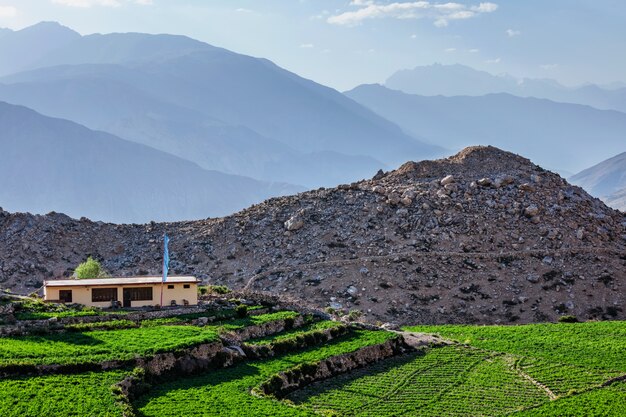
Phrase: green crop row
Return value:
(447, 381)
(603, 402)
(600, 345)
(80, 395)
(289, 334)
(227, 392)
(102, 345)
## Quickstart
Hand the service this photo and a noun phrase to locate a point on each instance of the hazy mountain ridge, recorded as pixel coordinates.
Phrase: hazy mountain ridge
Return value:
(51, 164)
(460, 80)
(560, 136)
(484, 236)
(606, 180)
(270, 122)
(41, 39)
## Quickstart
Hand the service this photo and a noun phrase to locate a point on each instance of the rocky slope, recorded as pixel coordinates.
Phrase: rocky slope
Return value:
(483, 236)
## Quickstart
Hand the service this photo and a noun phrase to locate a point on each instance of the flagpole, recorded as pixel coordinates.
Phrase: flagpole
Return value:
(166, 264)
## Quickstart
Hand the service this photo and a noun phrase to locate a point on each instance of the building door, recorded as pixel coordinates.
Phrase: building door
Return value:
(65, 296)
(127, 295)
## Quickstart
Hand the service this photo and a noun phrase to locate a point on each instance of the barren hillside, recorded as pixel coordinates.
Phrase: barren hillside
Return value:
(484, 236)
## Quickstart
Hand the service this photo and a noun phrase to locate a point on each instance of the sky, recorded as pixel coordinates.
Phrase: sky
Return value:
(344, 43)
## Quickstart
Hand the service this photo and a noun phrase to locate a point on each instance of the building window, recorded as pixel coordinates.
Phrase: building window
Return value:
(170, 287)
(65, 296)
(103, 294)
(140, 294)
(186, 286)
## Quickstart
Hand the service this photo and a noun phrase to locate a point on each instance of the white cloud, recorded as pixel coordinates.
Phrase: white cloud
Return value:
(307, 45)
(473, 51)
(243, 10)
(549, 66)
(440, 13)
(7, 11)
(322, 15)
(450, 50)
(104, 3)
(493, 61)
(485, 8)
(512, 33)
(414, 36)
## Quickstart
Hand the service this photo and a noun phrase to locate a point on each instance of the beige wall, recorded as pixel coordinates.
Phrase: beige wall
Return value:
(82, 294)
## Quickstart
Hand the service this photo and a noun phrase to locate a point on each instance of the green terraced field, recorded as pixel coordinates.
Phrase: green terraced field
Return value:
(446, 381)
(530, 370)
(87, 394)
(227, 392)
(102, 345)
(578, 344)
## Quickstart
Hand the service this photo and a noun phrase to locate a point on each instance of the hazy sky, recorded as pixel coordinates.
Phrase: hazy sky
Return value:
(343, 43)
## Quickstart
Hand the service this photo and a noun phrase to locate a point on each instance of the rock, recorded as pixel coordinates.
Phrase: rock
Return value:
(406, 201)
(294, 223)
(580, 234)
(379, 190)
(393, 199)
(390, 326)
(379, 175)
(351, 290)
(448, 179)
(534, 278)
(484, 182)
(527, 187)
(531, 210)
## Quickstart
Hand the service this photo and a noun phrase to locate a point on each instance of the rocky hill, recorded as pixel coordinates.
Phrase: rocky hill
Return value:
(484, 236)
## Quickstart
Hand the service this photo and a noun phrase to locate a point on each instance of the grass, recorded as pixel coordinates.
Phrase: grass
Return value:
(123, 344)
(86, 394)
(227, 392)
(600, 345)
(289, 334)
(447, 381)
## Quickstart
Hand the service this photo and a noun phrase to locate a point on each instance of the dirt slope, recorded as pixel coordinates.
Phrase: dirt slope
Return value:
(501, 240)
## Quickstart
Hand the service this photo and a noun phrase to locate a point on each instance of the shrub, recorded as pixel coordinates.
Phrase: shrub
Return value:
(89, 269)
(218, 289)
(354, 314)
(568, 319)
(241, 311)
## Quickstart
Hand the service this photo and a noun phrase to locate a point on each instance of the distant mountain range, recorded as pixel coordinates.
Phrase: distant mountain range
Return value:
(460, 80)
(606, 180)
(51, 164)
(222, 110)
(560, 136)
(222, 116)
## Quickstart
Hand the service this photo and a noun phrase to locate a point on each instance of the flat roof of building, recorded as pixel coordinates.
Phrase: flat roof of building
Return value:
(117, 281)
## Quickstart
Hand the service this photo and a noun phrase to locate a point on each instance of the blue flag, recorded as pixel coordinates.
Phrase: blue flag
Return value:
(166, 257)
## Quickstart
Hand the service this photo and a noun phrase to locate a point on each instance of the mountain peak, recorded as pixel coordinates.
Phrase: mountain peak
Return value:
(474, 161)
(49, 27)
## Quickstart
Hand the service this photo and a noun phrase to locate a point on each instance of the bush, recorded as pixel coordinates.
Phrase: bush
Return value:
(89, 269)
(354, 315)
(568, 319)
(241, 311)
(218, 289)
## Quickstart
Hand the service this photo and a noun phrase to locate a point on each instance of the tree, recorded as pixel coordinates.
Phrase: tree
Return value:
(89, 269)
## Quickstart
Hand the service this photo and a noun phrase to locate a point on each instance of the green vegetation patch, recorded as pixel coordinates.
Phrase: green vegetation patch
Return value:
(227, 392)
(100, 345)
(87, 394)
(605, 402)
(122, 344)
(447, 381)
(599, 345)
(289, 334)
